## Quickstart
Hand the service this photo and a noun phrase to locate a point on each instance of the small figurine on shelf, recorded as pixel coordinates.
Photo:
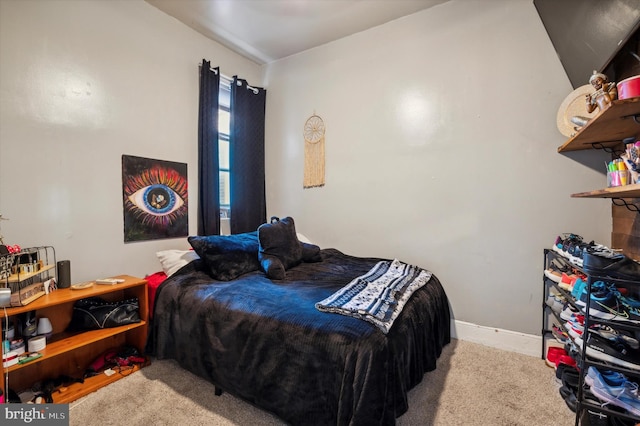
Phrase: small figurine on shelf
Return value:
(604, 94)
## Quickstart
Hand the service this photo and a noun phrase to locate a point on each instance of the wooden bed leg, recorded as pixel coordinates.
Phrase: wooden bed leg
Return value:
(218, 391)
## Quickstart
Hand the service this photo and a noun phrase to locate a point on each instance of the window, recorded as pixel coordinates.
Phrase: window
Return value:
(224, 117)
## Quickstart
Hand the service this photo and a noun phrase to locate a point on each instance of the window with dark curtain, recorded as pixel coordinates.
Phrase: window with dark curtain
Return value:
(246, 157)
(208, 156)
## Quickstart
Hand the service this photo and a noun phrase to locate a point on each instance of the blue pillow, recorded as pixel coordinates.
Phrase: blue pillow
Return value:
(228, 256)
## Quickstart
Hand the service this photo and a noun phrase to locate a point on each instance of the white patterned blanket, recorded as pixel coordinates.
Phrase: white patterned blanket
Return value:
(379, 295)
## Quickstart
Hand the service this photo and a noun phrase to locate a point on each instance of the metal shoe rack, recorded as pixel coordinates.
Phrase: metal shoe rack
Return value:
(583, 362)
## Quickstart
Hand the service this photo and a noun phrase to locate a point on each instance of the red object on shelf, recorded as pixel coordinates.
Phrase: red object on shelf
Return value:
(629, 87)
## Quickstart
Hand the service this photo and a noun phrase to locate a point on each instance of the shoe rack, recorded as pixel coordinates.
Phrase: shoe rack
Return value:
(633, 374)
(584, 406)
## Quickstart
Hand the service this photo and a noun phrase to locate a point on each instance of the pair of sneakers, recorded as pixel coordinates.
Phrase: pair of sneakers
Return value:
(558, 356)
(569, 279)
(607, 301)
(556, 301)
(560, 334)
(572, 246)
(610, 304)
(614, 388)
(557, 267)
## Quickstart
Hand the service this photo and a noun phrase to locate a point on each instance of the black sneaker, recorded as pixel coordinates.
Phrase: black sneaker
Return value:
(614, 350)
(576, 250)
(618, 266)
(609, 332)
(597, 419)
(560, 370)
(618, 421)
(570, 379)
(569, 398)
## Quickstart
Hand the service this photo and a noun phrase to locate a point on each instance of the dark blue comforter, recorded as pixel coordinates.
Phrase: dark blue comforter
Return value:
(265, 342)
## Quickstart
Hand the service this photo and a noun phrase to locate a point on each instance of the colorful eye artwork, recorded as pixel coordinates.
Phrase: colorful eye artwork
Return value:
(154, 199)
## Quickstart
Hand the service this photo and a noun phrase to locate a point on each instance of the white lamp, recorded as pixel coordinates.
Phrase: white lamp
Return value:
(44, 327)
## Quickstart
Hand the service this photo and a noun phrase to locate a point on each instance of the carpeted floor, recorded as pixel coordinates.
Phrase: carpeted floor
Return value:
(473, 385)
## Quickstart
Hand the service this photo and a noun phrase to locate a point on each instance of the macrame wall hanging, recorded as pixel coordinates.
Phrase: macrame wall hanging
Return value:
(313, 152)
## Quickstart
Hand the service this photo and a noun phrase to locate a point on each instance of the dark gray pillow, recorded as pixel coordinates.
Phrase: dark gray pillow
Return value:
(228, 256)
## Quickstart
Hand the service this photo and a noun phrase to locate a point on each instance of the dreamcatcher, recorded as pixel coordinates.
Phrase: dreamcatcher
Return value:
(313, 152)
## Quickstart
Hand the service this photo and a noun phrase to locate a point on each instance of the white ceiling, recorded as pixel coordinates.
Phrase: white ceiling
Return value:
(268, 30)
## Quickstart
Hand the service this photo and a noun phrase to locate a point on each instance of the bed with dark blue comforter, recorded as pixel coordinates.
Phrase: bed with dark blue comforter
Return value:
(265, 342)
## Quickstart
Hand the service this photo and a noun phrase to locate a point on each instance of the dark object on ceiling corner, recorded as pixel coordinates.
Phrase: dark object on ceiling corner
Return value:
(588, 34)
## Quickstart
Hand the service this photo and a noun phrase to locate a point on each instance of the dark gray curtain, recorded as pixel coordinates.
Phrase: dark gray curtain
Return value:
(246, 157)
(208, 159)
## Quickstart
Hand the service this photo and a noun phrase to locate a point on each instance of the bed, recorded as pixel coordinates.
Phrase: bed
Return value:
(264, 340)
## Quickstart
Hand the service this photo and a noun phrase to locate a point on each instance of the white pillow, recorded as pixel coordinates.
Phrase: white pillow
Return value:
(303, 238)
(172, 260)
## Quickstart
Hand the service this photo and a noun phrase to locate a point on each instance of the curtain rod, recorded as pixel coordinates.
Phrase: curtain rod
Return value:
(255, 90)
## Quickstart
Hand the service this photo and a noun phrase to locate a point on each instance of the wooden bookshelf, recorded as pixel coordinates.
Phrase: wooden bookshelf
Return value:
(70, 353)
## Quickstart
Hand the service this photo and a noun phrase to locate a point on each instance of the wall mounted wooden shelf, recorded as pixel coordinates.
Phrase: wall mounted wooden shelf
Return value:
(608, 128)
(627, 191)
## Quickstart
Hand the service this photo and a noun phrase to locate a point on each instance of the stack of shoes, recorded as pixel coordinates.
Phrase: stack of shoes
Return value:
(573, 247)
(605, 285)
(613, 388)
(567, 373)
(570, 379)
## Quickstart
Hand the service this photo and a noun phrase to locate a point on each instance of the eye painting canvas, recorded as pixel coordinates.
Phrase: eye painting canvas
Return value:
(155, 202)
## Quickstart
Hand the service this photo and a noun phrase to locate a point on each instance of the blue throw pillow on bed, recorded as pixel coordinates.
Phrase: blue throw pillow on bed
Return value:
(228, 256)
(280, 248)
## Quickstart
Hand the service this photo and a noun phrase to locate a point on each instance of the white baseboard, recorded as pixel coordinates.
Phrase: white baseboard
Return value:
(522, 343)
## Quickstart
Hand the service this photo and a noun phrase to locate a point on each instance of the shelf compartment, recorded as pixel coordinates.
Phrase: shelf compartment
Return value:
(62, 343)
(14, 278)
(604, 409)
(67, 295)
(608, 128)
(91, 384)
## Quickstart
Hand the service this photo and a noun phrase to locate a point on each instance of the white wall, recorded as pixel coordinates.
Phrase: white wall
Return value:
(440, 151)
(441, 141)
(81, 84)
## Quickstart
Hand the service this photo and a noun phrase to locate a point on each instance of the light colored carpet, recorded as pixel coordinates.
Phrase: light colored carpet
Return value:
(473, 385)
